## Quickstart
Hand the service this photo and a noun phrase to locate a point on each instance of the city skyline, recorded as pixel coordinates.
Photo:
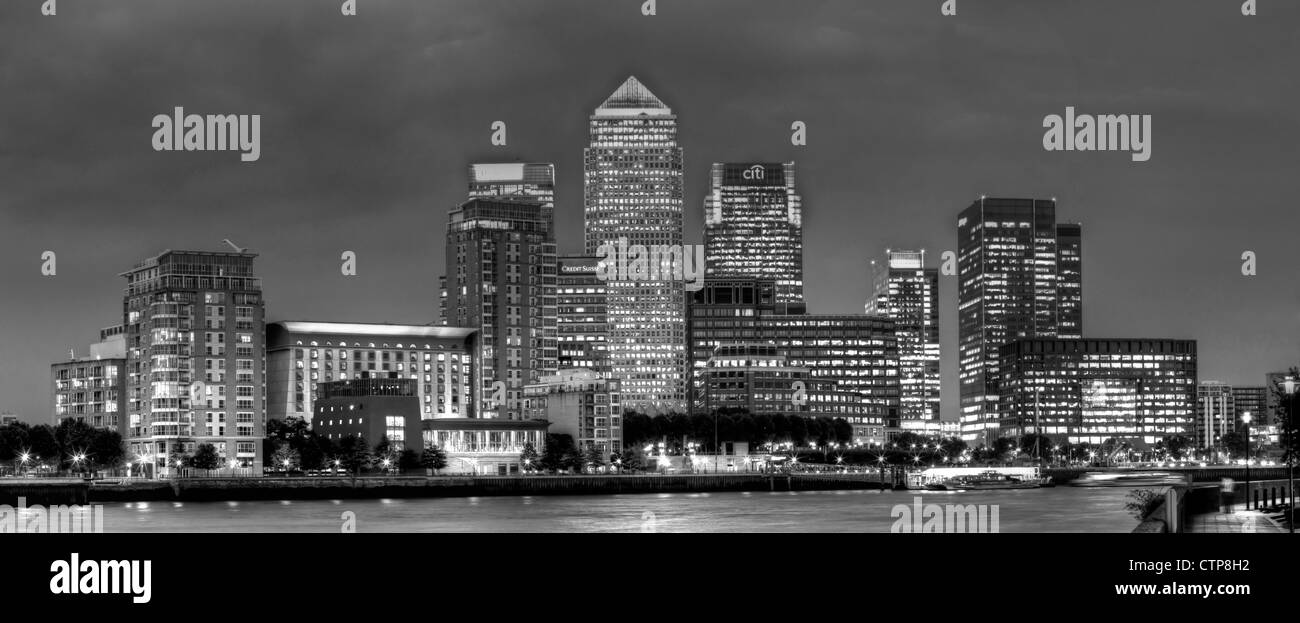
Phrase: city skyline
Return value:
(125, 209)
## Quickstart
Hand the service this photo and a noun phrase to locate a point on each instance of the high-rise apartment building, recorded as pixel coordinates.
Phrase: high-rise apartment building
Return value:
(633, 191)
(501, 269)
(1095, 391)
(907, 292)
(92, 388)
(753, 227)
(1014, 264)
(195, 358)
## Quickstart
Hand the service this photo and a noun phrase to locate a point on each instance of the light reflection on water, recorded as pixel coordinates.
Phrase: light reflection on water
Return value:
(1060, 509)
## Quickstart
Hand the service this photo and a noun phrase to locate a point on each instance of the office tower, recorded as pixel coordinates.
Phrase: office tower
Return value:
(501, 266)
(581, 320)
(1069, 250)
(857, 352)
(907, 292)
(633, 190)
(1216, 413)
(92, 388)
(581, 404)
(301, 355)
(1010, 283)
(758, 378)
(1095, 391)
(372, 407)
(195, 358)
(753, 227)
(1252, 399)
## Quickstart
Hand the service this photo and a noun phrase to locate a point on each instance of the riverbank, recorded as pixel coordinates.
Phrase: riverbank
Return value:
(323, 488)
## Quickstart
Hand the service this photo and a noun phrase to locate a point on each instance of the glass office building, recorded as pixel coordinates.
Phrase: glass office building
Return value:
(907, 292)
(1136, 391)
(753, 227)
(1020, 276)
(633, 190)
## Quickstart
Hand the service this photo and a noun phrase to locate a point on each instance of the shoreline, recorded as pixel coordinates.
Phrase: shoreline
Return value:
(317, 488)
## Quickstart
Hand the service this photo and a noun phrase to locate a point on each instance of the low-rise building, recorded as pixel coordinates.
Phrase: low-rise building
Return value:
(372, 408)
(579, 403)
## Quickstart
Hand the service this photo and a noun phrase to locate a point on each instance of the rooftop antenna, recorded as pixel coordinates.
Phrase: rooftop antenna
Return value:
(237, 248)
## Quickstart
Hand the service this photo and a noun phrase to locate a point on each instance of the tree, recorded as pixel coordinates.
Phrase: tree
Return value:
(1234, 442)
(354, 454)
(43, 445)
(842, 430)
(433, 458)
(1004, 448)
(529, 458)
(638, 429)
(286, 458)
(1033, 444)
(558, 446)
(594, 456)
(205, 457)
(631, 460)
(106, 450)
(1175, 445)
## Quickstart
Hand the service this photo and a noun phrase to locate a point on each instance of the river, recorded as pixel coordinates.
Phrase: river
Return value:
(1059, 509)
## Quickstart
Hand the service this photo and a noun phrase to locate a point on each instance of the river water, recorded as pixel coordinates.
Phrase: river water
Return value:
(1059, 509)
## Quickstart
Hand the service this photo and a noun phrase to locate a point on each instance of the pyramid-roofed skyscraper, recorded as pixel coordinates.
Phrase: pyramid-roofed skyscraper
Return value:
(633, 176)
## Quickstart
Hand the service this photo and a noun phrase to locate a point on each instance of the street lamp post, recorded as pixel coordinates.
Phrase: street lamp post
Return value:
(1245, 419)
(1290, 386)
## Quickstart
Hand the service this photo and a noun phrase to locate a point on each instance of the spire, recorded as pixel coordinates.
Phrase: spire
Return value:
(633, 97)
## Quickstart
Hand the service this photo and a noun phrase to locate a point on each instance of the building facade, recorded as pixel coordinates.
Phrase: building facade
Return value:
(858, 353)
(385, 406)
(303, 354)
(633, 191)
(758, 378)
(907, 292)
(753, 227)
(195, 358)
(501, 280)
(92, 388)
(582, 404)
(1216, 413)
(484, 447)
(1014, 263)
(582, 323)
(1135, 391)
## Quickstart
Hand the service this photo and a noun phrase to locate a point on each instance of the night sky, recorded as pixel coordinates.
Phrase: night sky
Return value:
(368, 124)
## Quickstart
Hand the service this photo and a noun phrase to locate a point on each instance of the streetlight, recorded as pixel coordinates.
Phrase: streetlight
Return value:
(1245, 419)
(1290, 387)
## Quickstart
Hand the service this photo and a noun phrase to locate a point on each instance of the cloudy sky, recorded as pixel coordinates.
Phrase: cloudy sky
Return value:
(368, 123)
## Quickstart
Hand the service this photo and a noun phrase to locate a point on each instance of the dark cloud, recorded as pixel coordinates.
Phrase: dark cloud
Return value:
(368, 124)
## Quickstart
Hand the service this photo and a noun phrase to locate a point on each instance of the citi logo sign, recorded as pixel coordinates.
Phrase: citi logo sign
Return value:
(755, 173)
(102, 577)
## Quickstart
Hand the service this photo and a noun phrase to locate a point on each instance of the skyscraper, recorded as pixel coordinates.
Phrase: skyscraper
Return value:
(753, 227)
(1010, 266)
(633, 190)
(904, 290)
(195, 358)
(581, 319)
(501, 280)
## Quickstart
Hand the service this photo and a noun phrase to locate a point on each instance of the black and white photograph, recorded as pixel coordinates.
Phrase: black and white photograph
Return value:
(863, 267)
